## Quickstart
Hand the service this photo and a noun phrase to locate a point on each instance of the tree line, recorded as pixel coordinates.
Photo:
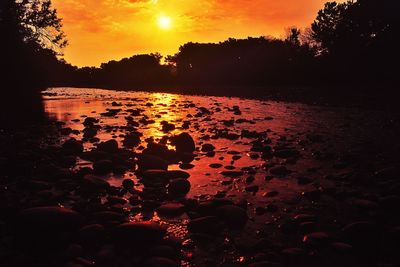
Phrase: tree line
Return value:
(348, 43)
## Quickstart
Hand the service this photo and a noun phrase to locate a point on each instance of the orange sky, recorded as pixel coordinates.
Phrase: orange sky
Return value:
(102, 30)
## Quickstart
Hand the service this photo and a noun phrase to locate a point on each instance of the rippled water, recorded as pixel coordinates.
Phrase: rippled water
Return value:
(319, 134)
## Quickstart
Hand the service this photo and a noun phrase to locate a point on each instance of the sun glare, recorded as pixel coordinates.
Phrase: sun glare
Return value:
(164, 22)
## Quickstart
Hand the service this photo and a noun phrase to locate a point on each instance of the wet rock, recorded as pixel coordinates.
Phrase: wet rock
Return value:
(165, 251)
(341, 247)
(302, 180)
(91, 234)
(279, 170)
(300, 218)
(110, 146)
(179, 187)
(316, 239)
(232, 215)
(250, 179)
(50, 219)
(272, 208)
(264, 264)
(89, 132)
(186, 166)
(252, 188)
(93, 183)
(73, 147)
(137, 234)
(174, 174)
(293, 254)
(149, 162)
(205, 225)
(131, 140)
(171, 209)
(90, 121)
(362, 235)
(232, 173)
(167, 127)
(128, 184)
(161, 262)
(312, 195)
(184, 143)
(286, 153)
(271, 194)
(103, 166)
(108, 217)
(215, 165)
(207, 148)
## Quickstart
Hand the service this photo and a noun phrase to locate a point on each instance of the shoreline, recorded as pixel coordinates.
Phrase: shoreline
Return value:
(336, 96)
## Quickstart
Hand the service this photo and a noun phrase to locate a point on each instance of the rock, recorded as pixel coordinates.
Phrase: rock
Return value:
(316, 239)
(108, 217)
(89, 132)
(179, 187)
(174, 174)
(279, 170)
(90, 121)
(165, 251)
(128, 184)
(232, 173)
(110, 146)
(293, 253)
(215, 165)
(93, 183)
(300, 218)
(160, 262)
(271, 194)
(313, 195)
(103, 166)
(272, 207)
(207, 148)
(186, 166)
(362, 235)
(154, 175)
(148, 162)
(91, 234)
(264, 264)
(131, 140)
(184, 143)
(341, 247)
(301, 180)
(232, 215)
(286, 153)
(205, 225)
(167, 127)
(50, 219)
(171, 209)
(252, 188)
(137, 234)
(73, 147)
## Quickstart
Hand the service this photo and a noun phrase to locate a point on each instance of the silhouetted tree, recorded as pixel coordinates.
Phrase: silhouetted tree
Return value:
(293, 36)
(357, 38)
(252, 61)
(32, 36)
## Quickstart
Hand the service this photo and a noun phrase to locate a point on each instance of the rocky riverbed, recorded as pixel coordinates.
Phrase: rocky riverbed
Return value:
(146, 179)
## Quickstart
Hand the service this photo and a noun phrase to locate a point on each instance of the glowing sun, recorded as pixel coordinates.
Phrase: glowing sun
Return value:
(164, 22)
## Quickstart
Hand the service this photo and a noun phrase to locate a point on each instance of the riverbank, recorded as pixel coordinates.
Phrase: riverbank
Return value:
(362, 96)
(151, 179)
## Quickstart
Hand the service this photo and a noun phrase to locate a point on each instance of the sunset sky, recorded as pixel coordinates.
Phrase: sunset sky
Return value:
(102, 30)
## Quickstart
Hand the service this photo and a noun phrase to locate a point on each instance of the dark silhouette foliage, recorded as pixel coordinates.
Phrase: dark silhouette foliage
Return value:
(348, 43)
(32, 37)
(357, 39)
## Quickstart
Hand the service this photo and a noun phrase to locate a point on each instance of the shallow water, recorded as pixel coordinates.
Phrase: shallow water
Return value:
(324, 137)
